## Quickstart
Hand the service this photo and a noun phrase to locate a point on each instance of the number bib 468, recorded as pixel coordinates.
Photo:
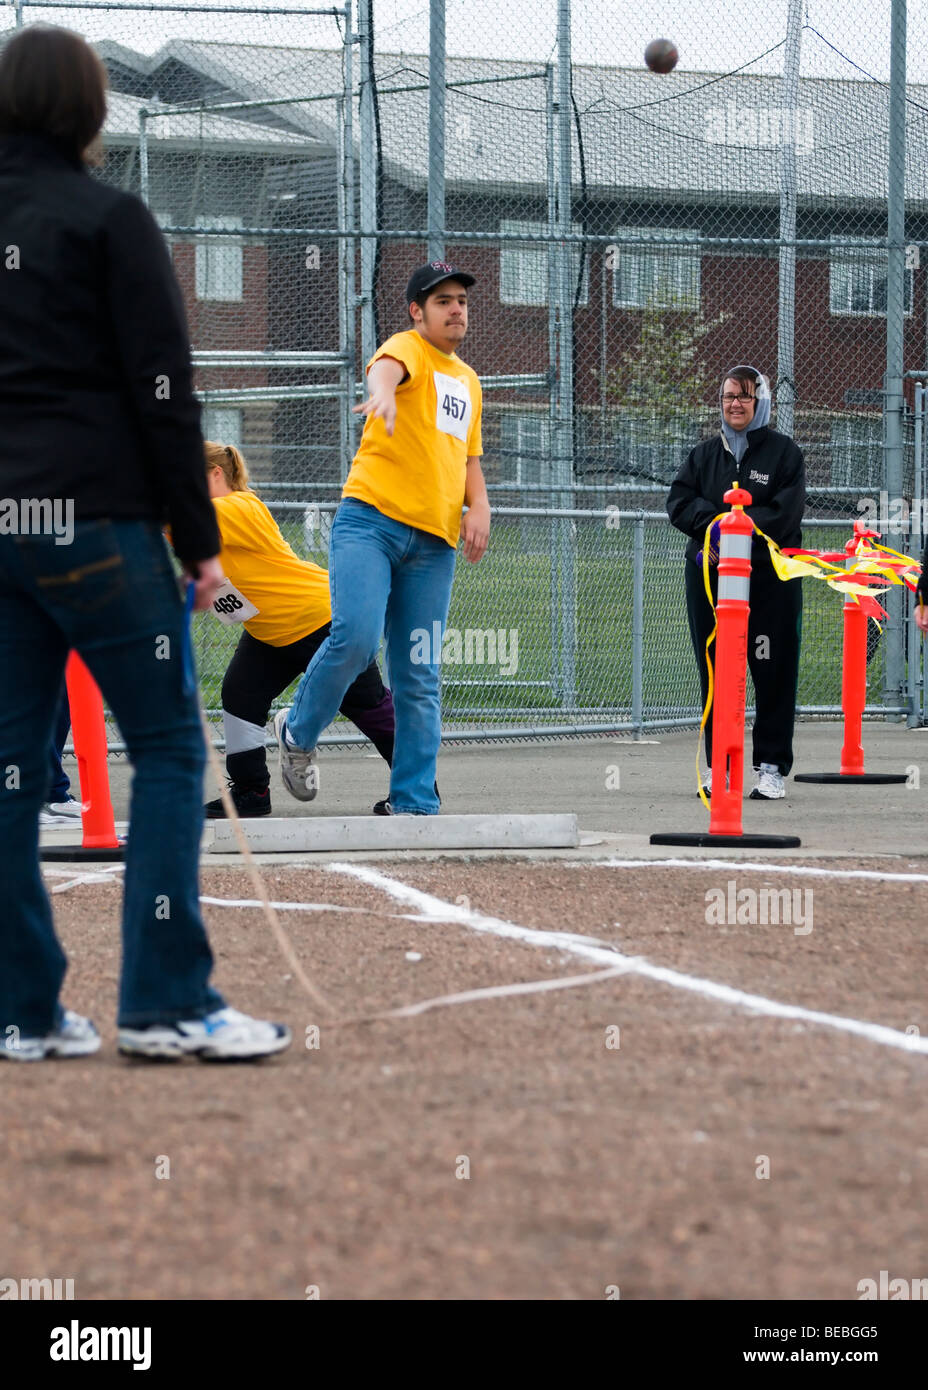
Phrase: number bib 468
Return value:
(452, 415)
(231, 606)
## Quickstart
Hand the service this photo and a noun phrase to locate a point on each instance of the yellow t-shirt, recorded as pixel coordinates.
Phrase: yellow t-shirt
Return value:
(290, 594)
(417, 475)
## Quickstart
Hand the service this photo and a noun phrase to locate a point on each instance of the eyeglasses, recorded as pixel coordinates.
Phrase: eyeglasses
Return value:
(729, 399)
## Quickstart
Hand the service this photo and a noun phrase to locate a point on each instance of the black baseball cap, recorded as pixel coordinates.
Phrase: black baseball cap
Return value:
(428, 276)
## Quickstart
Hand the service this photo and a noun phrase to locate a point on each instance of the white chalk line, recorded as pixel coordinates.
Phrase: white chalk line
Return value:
(741, 866)
(443, 1000)
(282, 907)
(91, 876)
(437, 910)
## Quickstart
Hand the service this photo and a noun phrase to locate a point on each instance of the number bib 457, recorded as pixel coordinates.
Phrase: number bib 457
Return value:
(452, 415)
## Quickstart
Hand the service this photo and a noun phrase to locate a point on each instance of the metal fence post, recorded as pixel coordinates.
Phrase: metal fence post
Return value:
(786, 325)
(916, 683)
(143, 155)
(436, 212)
(893, 403)
(638, 625)
(564, 421)
(367, 178)
(557, 681)
(346, 308)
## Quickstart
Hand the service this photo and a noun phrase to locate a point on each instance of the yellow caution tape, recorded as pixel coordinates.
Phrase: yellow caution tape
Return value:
(878, 560)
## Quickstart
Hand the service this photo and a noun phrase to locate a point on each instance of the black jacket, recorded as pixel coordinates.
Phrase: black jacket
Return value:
(773, 471)
(96, 399)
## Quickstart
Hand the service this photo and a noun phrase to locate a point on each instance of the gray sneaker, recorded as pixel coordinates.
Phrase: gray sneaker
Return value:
(769, 784)
(298, 769)
(72, 1036)
(61, 812)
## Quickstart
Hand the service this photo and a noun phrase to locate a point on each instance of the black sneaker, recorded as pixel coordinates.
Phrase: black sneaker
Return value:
(246, 801)
(383, 808)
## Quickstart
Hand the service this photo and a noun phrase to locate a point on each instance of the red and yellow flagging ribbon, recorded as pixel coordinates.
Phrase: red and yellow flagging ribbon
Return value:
(873, 569)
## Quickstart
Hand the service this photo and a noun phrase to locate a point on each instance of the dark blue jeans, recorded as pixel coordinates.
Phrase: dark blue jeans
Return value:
(394, 579)
(59, 783)
(112, 596)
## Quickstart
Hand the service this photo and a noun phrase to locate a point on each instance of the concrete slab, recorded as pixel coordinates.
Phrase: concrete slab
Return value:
(296, 834)
(621, 790)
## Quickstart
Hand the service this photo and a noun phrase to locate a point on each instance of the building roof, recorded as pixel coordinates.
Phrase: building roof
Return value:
(683, 136)
(189, 131)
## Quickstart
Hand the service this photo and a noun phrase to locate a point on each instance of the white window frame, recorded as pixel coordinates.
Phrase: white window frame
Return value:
(527, 433)
(856, 438)
(523, 266)
(223, 424)
(873, 262)
(684, 270)
(219, 268)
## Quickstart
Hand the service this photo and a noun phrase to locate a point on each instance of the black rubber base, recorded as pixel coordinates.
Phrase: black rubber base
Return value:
(834, 778)
(703, 840)
(76, 854)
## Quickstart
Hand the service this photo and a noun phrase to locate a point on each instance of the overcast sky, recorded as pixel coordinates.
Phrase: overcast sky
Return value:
(714, 35)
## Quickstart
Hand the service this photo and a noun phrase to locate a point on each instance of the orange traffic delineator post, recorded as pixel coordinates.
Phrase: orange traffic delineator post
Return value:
(88, 728)
(731, 644)
(853, 683)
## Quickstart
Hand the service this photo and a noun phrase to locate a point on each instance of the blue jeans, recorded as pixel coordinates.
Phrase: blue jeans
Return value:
(59, 786)
(391, 579)
(112, 596)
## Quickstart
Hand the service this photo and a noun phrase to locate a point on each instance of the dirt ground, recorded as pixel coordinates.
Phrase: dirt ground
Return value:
(630, 1133)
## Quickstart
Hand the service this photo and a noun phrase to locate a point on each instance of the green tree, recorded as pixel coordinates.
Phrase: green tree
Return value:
(665, 376)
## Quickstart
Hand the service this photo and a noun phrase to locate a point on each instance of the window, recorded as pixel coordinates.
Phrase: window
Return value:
(523, 270)
(219, 261)
(655, 277)
(858, 278)
(222, 425)
(525, 449)
(857, 452)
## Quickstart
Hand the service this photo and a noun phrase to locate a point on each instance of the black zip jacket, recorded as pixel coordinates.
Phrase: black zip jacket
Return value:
(96, 398)
(773, 472)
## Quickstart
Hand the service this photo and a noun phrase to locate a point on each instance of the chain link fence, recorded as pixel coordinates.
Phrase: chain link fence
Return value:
(633, 235)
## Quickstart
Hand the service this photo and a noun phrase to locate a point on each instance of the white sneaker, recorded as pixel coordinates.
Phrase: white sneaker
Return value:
(707, 784)
(298, 769)
(769, 785)
(61, 812)
(223, 1036)
(74, 1036)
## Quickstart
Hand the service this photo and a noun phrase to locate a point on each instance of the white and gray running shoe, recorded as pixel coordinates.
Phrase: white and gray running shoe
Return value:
(223, 1036)
(73, 1036)
(769, 784)
(298, 769)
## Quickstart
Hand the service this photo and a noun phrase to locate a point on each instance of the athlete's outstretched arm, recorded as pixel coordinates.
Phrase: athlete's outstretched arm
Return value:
(382, 381)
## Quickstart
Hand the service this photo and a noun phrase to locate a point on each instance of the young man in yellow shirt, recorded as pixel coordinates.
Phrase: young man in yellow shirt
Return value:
(394, 539)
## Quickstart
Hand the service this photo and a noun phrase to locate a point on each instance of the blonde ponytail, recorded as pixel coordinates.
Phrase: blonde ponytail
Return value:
(230, 460)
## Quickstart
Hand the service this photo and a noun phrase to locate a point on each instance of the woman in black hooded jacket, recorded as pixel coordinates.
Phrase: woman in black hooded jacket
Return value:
(747, 453)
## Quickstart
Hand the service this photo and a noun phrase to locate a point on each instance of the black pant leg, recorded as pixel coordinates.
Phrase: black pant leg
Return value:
(701, 621)
(256, 675)
(369, 705)
(774, 637)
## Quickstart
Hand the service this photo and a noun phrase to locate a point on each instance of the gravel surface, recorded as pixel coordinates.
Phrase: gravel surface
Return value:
(341, 1167)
